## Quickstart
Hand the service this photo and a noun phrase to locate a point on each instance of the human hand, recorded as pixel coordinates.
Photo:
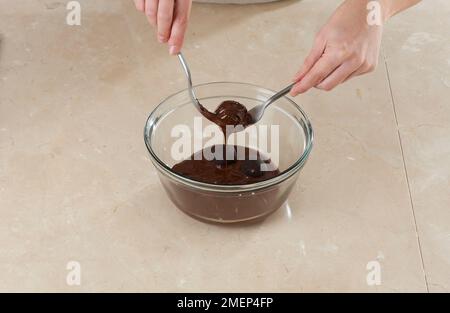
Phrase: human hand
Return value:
(347, 46)
(170, 17)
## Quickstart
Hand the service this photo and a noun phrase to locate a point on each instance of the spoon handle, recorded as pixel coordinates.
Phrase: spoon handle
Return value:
(278, 95)
(187, 72)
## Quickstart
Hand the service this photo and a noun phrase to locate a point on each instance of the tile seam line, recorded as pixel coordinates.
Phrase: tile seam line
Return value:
(406, 170)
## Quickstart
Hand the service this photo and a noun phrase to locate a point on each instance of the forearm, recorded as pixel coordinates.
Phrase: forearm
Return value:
(392, 7)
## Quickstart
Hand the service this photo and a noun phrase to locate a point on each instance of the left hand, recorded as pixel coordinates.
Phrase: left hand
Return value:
(169, 17)
(344, 48)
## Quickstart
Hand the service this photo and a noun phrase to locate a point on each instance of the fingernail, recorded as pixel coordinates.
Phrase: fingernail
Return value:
(172, 50)
(161, 39)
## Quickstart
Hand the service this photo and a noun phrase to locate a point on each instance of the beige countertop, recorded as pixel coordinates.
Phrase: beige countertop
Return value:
(76, 183)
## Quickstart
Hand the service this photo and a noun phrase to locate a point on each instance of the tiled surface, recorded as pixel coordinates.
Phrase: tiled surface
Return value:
(76, 182)
(418, 56)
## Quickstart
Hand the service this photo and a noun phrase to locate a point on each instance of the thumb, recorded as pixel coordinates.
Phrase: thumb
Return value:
(180, 24)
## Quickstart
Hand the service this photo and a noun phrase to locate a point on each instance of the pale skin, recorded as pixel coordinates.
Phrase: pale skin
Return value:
(346, 46)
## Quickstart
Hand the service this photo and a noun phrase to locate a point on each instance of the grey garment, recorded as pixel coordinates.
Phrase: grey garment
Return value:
(235, 1)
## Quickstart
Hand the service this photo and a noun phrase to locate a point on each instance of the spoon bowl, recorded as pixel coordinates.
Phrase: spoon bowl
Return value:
(255, 113)
(258, 111)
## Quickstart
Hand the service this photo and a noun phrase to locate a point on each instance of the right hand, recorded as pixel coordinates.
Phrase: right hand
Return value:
(170, 17)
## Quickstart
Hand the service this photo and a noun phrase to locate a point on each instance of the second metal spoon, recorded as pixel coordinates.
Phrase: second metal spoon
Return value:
(258, 111)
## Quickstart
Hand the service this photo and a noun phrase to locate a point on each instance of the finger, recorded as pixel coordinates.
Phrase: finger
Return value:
(140, 5)
(181, 19)
(151, 9)
(337, 77)
(323, 67)
(164, 19)
(314, 55)
(360, 71)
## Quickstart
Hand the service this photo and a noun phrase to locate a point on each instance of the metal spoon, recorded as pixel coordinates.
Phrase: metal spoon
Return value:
(258, 111)
(187, 72)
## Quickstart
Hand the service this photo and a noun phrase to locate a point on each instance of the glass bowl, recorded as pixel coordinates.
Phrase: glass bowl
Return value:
(176, 116)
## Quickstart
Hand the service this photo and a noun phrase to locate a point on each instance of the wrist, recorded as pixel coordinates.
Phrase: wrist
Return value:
(386, 9)
(379, 10)
(392, 7)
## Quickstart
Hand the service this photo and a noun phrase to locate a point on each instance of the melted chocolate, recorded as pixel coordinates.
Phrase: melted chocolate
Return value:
(234, 165)
(231, 167)
(240, 168)
(229, 113)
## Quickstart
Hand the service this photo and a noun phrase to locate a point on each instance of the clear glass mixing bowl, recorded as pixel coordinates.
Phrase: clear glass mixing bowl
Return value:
(228, 203)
